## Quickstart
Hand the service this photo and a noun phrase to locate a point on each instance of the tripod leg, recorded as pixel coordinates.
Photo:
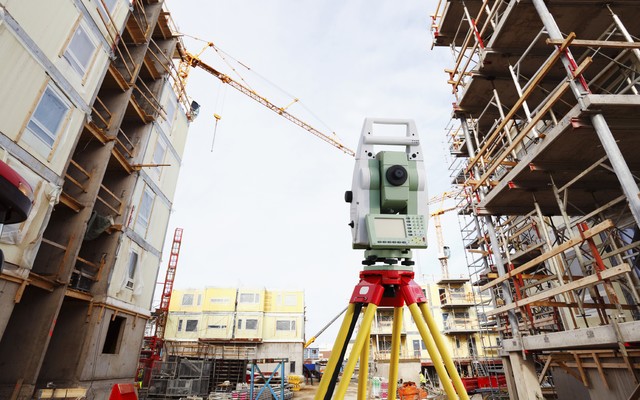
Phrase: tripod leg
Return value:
(394, 361)
(448, 362)
(433, 351)
(355, 350)
(328, 381)
(363, 373)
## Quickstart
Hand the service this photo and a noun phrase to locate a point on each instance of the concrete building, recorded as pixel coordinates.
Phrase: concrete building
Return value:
(263, 323)
(455, 308)
(91, 120)
(543, 142)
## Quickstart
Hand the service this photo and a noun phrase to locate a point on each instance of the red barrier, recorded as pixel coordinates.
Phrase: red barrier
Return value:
(123, 391)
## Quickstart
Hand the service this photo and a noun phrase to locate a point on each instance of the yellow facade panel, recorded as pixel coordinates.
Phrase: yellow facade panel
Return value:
(219, 299)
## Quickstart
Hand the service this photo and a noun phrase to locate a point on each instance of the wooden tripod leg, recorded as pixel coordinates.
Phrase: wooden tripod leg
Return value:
(355, 350)
(339, 347)
(433, 351)
(363, 372)
(394, 361)
(444, 352)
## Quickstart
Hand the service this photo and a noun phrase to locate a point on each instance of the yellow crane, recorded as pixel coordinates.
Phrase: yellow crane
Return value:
(191, 60)
(443, 251)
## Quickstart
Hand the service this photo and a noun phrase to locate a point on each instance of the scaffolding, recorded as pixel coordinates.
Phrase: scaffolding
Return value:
(543, 139)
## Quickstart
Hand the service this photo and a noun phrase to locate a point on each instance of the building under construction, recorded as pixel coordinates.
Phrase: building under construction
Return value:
(95, 126)
(544, 141)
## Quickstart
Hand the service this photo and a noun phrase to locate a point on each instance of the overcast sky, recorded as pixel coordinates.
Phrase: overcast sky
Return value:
(265, 208)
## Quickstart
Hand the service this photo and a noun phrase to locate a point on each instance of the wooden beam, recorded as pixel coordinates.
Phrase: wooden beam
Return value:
(544, 369)
(552, 252)
(580, 283)
(613, 44)
(603, 377)
(567, 370)
(583, 375)
(533, 84)
(523, 133)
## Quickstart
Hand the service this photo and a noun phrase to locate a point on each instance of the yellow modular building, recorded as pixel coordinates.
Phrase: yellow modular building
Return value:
(90, 119)
(268, 323)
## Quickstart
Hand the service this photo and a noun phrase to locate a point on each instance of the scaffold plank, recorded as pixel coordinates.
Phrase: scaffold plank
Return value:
(603, 226)
(586, 281)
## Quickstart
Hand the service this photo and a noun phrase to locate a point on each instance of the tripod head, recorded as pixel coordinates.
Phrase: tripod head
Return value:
(388, 195)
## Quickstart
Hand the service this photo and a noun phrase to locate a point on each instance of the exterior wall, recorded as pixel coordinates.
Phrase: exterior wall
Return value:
(64, 314)
(272, 319)
(292, 351)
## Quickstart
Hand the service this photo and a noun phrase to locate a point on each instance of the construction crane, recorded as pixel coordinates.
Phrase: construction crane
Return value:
(191, 60)
(324, 328)
(443, 251)
(153, 345)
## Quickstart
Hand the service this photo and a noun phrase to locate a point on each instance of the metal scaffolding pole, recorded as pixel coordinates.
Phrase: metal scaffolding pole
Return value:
(620, 167)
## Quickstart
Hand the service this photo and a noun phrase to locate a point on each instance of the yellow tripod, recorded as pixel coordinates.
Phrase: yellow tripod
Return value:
(390, 288)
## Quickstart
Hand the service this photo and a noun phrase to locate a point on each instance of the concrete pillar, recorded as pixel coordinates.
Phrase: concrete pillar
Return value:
(525, 378)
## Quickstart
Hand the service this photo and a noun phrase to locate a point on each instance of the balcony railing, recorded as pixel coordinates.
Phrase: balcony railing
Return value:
(452, 325)
(456, 299)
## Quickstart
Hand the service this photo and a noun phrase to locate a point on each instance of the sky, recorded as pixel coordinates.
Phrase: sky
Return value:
(264, 207)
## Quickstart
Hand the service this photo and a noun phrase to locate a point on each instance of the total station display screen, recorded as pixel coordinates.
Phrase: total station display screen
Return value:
(390, 228)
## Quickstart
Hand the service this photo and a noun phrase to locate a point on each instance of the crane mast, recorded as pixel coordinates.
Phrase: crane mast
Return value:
(163, 310)
(194, 61)
(443, 251)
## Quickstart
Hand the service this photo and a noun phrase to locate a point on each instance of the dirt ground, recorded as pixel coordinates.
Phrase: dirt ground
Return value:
(307, 392)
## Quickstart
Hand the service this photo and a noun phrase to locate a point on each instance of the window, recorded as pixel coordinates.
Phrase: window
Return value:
(187, 299)
(110, 7)
(249, 298)
(239, 324)
(179, 325)
(170, 108)
(218, 326)
(285, 325)
(416, 348)
(290, 300)
(48, 116)
(158, 155)
(219, 300)
(114, 336)
(251, 324)
(144, 211)
(133, 265)
(199, 299)
(192, 325)
(457, 343)
(80, 51)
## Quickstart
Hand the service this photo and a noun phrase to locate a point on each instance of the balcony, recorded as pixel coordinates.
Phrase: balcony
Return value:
(460, 325)
(385, 355)
(451, 299)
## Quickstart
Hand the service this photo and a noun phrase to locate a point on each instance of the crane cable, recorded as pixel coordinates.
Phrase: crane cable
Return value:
(222, 55)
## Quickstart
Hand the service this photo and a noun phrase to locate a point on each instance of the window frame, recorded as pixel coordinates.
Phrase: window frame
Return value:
(252, 321)
(156, 158)
(72, 55)
(50, 134)
(134, 258)
(255, 298)
(291, 325)
(187, 296)
(191, 325)
(142, 217)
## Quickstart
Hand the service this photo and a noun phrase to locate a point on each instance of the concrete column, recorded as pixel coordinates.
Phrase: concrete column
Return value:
(629, 186)
(525, 378)
(628, 183)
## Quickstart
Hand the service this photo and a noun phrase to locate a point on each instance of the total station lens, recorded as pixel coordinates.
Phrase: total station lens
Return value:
(396, 175)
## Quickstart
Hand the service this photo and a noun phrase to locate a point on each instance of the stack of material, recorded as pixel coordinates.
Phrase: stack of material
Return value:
(295, 382)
